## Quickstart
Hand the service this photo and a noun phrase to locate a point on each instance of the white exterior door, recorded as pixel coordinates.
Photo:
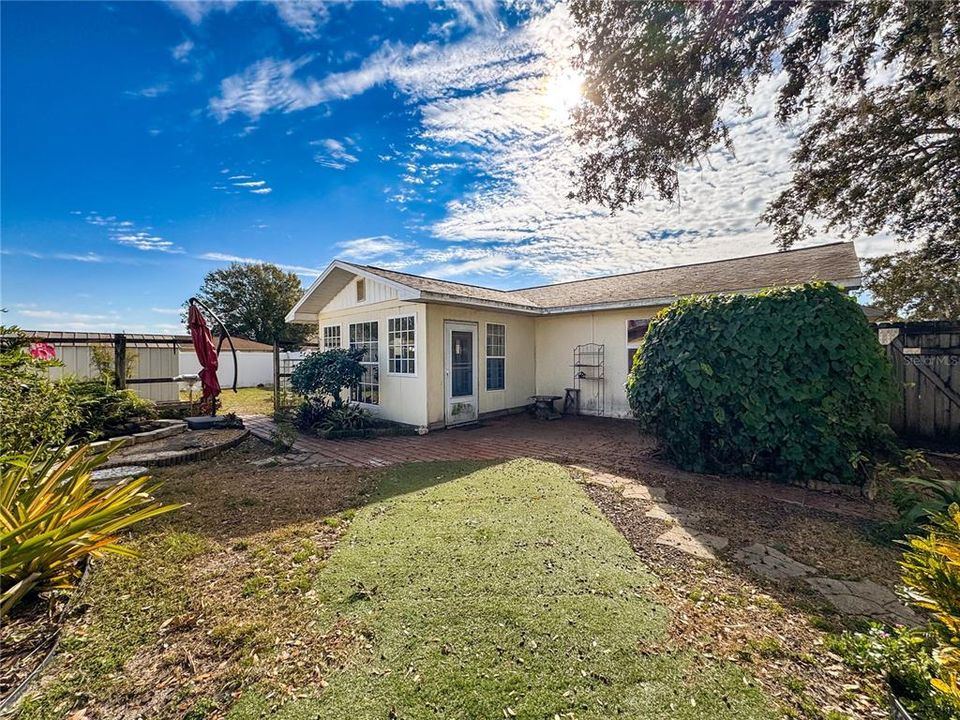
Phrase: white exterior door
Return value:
(461, 381)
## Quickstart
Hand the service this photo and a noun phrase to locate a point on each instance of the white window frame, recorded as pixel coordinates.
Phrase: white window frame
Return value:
(323, 336)
(355, 391)
(487, 357)
(412, 345)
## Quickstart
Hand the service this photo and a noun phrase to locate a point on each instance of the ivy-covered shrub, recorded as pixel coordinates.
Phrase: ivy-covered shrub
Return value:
(105, 412)
(323, 375)
(788, 381)
(34, 410)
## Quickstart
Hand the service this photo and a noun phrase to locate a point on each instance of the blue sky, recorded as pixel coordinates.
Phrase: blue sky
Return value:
(145, 144)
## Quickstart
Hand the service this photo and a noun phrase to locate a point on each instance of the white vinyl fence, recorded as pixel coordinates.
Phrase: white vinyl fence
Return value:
(253, 367)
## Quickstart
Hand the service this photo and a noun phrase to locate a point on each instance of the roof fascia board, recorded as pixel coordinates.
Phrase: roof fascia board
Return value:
(296, 316)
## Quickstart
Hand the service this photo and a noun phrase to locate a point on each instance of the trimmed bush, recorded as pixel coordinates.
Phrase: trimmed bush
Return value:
(327, 374)
(788, 381)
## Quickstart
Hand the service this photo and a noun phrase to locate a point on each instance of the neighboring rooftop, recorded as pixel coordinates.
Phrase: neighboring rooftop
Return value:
(184, 342)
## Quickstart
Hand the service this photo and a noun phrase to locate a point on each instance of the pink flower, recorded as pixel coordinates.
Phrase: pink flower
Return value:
(43, 351)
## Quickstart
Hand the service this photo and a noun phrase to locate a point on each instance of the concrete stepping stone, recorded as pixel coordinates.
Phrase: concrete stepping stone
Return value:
(108, 476)
(636, 491)
(692, 542)
(864, 598)
(771, 563)
(673, 514)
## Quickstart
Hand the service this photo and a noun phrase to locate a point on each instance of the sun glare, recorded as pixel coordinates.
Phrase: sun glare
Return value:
(563, 92)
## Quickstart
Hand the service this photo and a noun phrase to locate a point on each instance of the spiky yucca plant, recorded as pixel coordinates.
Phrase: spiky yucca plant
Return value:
(931, 573)
(51, 517)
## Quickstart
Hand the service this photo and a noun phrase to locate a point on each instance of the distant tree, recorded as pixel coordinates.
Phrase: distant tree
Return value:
(253, 299)
(878, 80)
(915, 286)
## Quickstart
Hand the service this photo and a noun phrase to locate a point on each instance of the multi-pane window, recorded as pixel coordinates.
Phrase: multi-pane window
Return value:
(401, 345)
(331, 337)
(365, 336)
(496, 356)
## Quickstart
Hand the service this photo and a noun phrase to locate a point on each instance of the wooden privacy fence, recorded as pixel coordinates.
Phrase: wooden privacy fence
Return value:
(926, 362)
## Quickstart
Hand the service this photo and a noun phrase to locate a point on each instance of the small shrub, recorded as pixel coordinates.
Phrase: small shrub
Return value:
(931, 573)
(327, 374)
(311, 415)
(34, 410)
(51, 518)
(788, 381)
(346, 418)
(920, 492)
(105, 412)
(906, 660)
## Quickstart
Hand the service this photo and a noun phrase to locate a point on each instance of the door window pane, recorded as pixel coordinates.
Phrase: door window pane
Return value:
(461, 363)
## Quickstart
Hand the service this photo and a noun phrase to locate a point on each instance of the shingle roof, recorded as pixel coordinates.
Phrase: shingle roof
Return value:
(836, 262)
(445, 287)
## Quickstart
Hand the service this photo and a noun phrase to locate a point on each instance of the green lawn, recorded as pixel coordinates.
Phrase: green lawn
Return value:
(246, 401)
(457, 590)
(494, 592)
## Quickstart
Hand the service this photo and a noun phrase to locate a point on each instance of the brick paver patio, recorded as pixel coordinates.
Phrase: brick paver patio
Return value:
(599, 443)
(572, 439)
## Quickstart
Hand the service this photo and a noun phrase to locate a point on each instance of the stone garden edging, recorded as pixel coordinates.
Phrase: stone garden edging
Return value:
(167, 428)
(165, 458)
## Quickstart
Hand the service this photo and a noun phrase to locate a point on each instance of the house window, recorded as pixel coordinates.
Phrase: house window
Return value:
(361, 290)
(365, 336)
(496, 356)
(401, 342)
(636, 329)
(331, 337)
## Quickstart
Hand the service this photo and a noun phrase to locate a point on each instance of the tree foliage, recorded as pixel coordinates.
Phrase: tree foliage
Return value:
(790, 381)
(917, 285)
(877, 81)
(253, 300)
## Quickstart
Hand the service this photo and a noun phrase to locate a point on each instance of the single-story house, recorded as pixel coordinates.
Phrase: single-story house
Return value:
(443, 353)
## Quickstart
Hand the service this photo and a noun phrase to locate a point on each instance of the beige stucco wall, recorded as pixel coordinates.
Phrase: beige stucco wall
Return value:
(519, 372)
(403, 398)
(538, 361)
(557, 335)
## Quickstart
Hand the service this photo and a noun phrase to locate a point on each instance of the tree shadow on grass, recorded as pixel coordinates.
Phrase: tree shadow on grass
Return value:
(229, 498)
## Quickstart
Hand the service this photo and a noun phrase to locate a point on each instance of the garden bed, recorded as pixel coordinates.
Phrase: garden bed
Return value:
(379, 428)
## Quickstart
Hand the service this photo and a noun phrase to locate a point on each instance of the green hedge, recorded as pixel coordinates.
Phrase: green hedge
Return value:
(789, 381)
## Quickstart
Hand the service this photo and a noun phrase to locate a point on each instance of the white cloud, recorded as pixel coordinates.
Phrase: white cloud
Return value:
(182, 51)
(225, 257)
(166, 311)
(368, 249)
(304, 16)
(333, 153)
(243, 183)
(197, 10)
(152, 91)
(125, 232)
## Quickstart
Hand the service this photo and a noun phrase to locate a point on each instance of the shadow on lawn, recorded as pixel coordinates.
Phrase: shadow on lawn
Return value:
(230, 498)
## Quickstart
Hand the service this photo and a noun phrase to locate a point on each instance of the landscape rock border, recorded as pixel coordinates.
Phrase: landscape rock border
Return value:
(168, 428)
(165, 458)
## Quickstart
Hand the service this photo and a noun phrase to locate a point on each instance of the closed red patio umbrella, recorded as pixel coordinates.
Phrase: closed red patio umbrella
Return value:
(207, 355)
